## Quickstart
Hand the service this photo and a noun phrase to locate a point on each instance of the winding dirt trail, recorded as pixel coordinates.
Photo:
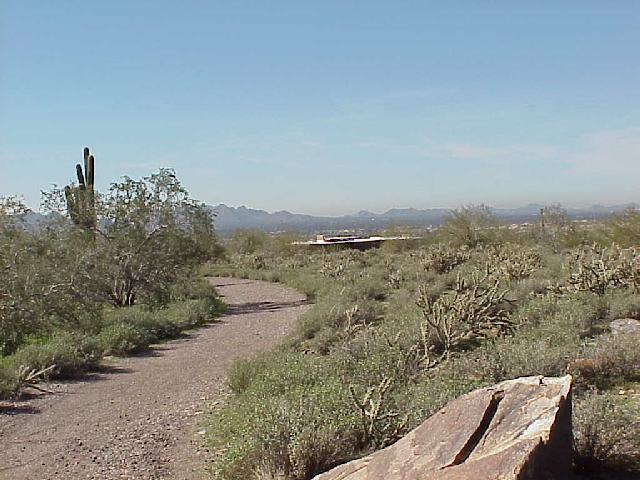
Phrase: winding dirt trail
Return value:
(138, 419)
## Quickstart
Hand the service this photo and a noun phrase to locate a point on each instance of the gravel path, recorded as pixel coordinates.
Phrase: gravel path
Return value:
(138, 419)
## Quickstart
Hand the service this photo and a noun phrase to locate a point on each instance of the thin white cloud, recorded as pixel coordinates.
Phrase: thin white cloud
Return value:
(509, 152)
(466, 151)
(609, 152)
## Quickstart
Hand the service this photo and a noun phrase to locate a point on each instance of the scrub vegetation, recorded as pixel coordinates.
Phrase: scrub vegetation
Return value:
(398, 331)
(115, 277)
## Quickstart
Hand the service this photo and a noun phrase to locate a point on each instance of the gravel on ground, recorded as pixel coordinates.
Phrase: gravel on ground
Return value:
(141, 417)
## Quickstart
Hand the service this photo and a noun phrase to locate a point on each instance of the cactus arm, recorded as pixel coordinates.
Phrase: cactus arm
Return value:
(89, 171)
(80, 176)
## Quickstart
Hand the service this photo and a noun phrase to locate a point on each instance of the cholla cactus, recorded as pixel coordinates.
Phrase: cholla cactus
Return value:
(634, 270)
(443, 258)
(596, 269)
(258, 262)
(472, 310)
(332, 270)
(297, 261)
(380, 425)
(352, 326)
(81, 202)
(394, 279)
(513, 262)
(336, 265)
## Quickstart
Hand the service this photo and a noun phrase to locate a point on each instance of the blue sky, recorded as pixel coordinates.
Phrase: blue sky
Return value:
(327, 107)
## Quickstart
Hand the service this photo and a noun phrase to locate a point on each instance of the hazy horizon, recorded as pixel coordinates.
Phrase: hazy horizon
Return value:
(442, 207)
(327, 108)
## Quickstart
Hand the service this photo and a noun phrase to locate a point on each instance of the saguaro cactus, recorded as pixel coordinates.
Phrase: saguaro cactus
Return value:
(81, 203)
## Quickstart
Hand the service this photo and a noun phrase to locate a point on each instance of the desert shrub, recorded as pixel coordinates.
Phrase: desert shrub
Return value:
(192, 313)
(122, 339)
(576, 313)
(512, 261)
(523, 355)
(335, 266)
(190, 286)
(611, 359)
(523, 290)
(552, 332)
(9, 382)
(447, 382)
(376, 354)
(624, 228)
(606, 433)
(242, 373)
(471, 226)
(365, 288)
(472, 311)
(58, 281)
(137, 321)
(443, 258)
(336, 321)
(597, 269)
(71, 353)
(381, 421)
(433, 285)
(279, 421)
(133, 329)
(247, 241)
(553, 223)
(623, 305)
(324, 313)
(369, 343)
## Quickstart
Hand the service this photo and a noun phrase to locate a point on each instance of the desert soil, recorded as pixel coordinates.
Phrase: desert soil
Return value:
(143, 417)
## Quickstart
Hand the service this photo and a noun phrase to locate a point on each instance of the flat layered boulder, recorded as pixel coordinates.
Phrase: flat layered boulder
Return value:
(517, 429)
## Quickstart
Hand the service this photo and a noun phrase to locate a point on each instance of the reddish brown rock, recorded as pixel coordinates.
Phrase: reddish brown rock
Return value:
(518, 429)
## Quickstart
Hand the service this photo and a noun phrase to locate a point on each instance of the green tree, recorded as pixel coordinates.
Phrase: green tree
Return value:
(553, 226)
(42, 277)
(624, 228)
(471, 225)
(150, 233)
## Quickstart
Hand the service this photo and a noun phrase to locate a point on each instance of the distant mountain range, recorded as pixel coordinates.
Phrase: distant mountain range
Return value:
(229, 219)
(233, 218)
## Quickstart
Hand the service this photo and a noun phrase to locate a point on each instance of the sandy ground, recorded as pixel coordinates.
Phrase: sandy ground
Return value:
(139, 418)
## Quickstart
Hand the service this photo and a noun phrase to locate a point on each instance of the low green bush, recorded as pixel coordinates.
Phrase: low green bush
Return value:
(606, 433)
(624, 305)
(122, 339)
(71, 353)
(279, 421)
(9, 382)
(607, 362)
(116, 331)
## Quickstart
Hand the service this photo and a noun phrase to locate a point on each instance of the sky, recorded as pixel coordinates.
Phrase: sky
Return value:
(327, 107)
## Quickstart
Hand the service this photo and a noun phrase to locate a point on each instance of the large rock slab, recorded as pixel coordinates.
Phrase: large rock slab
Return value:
(518, 429)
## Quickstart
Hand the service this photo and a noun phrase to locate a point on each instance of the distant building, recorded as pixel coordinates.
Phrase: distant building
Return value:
(348, 241)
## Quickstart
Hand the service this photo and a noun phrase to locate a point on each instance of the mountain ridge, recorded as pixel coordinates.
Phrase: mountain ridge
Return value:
(233, 218)
(228, 219)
